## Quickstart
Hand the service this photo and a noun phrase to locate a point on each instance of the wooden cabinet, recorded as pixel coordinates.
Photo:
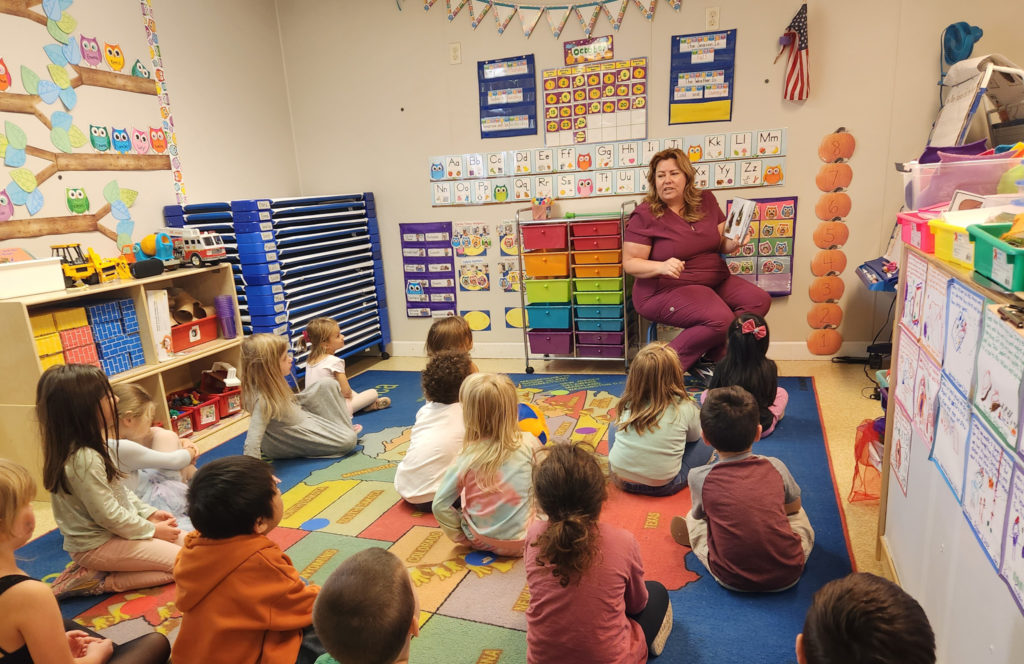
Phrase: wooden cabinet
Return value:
(20, 366)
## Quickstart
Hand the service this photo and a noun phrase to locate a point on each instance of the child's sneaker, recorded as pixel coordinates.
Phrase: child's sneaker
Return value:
(76, 580)
(658, 644)
(383, 402)
(680, 533)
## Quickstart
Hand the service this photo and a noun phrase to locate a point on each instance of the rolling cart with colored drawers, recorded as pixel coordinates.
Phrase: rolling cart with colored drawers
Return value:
(575, 295)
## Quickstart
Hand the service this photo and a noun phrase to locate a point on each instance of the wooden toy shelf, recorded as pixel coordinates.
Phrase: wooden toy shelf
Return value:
(21, 368)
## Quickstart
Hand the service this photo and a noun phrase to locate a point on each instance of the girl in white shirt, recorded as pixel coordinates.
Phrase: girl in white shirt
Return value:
(324, 339)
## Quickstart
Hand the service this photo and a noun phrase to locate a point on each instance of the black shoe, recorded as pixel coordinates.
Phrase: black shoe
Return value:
(700, 374)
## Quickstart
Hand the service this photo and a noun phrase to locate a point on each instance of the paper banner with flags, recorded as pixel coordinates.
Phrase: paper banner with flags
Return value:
(529, 16)
(477, 10)
(615, 10)
(557, 18)
(454, 7)
(503, 15)
(701, 72)
(647, 7)
(586, 12)
(588, 18)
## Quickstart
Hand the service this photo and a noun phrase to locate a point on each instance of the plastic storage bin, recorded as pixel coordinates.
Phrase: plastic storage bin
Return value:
(597, 242)
(599, 338)
(597, 284)
(546, 265)
(192, 334)
(551, 236)
(592, 257)
(599, 324)
(928, 184)
(598, 312)
(599, 351)
(597, 271)
(599, 298)
(547, 290)
(953, 243)
(582, 228)
(1001, 262)
(550, 343)
(545, 317)
(181, 423)
(914, 227)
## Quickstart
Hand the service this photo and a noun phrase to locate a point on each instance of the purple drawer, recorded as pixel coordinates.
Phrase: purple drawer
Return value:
(550, 343)
(599, 351)
(599, 338)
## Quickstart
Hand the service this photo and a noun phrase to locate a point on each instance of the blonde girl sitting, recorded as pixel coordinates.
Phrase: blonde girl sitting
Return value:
(313, 423)
(324, 339)
(657, 434)
(492, 474)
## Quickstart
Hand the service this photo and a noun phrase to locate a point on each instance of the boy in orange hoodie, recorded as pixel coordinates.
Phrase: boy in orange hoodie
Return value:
(242, 599)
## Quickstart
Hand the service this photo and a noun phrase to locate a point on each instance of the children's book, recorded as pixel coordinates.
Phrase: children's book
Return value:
(737, 222)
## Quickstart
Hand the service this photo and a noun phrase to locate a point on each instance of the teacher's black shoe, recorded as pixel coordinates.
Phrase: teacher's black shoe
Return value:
(702, 373)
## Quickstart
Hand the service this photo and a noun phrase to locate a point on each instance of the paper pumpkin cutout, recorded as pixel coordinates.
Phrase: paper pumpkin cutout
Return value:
(828, 261)
(831, 234)
(826, 289)
(833, 206)
(834, 177)
(824, 342)
(825, 314)
(837, 146)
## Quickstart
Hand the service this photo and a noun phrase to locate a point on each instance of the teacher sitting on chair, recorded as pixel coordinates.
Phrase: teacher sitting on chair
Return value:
(673, 245)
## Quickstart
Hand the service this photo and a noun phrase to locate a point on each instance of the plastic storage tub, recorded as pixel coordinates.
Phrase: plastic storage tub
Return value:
(953, 243)
(546, 265)
(597, 271)
(597, 284)
(599, 351)
(599, 324)
(595, 257)
(547, 290)
(928, 184)
(545, 236)
(1001, 262)
(609, 297)
(596, 242)
(915, 230)
(550, 343)
(599, 338)
(598, 312)
(581, 228)
(546, 317)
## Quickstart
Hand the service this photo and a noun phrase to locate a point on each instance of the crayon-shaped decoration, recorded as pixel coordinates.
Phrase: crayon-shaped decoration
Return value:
(832, 208)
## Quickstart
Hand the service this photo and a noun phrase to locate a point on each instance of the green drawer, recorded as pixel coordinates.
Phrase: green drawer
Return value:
(599, 297)
(547, 290)
(599, 284)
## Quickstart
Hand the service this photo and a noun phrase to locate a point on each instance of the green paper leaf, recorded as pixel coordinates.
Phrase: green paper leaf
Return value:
(30, 80)
(24, 178)
(77, 136)
(128, 197)
(59, 76)
(56, 32)
(15, 136)
(60, 139)
(112, 192)
(67, 23)
(3, 146)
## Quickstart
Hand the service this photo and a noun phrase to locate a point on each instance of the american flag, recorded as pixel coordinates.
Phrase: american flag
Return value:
(797, 74)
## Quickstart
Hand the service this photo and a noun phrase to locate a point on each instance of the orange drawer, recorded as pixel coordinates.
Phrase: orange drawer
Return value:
(594, 271)
(545, 236)
(546, 265)
(594, 228)
(592, 257)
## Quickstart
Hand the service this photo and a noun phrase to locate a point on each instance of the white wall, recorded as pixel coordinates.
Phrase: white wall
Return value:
(378, 98)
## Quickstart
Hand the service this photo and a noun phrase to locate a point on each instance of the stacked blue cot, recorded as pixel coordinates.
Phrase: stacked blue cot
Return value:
(295, 259)
(115, 330)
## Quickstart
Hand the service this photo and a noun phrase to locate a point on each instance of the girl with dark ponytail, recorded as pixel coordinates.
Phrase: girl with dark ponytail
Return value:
(588, 598)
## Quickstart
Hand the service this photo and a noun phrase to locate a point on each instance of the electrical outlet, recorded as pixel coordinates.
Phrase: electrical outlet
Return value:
(455, 53)
(712, 18)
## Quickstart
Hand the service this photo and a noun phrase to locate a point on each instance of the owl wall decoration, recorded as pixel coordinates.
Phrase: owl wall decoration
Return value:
(772, 175)
(120, 140)
(138, 70)
(6, 206)
(500, 192)
(140, 141)
(436, 171)
(114, 56)
(584, 161)
(585, 187)
(77, 200)
(157, 140)
(99, 137)
(90, 48)
(5, 76)
(694, 153)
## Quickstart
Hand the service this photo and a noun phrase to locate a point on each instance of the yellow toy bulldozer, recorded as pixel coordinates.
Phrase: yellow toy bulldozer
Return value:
(90, 268)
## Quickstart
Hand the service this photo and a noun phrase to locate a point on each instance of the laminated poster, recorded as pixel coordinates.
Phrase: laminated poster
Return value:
(471, 239)
(701, 73)
(508, 242)
(508, 275)
(952, 430)
(963, 327)
(1012, 569)
(899, 452)
(767, 260)
(906, 368)
(926, 392)
(913, 297)
(1000, 367)
(933, 325)
(428, 264)
(474, 275)
(987, 487)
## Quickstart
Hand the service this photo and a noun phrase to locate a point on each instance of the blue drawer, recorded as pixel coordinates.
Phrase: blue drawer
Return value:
(599, 324)
(547, 317)
(583, 311)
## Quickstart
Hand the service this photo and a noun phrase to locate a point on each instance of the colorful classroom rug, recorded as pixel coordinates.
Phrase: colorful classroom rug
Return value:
(474, 605)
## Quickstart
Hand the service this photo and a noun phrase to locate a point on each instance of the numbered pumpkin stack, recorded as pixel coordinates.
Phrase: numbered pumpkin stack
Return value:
(832, 209)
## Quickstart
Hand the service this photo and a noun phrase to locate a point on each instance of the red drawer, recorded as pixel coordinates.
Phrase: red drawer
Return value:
(596, 242)
(599, 338)
(598, 351)
(546, 236)
(581, 228)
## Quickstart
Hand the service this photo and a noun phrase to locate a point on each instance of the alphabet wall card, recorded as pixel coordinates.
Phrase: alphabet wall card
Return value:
(648, 149)
(952, 429)
(1012, 568)
(544, 160)
(701, 72)
(593, 102)
(566, 159)
(482, 192)
(474, 275)
(906, 367)
(544, 186)
(496, 164)
(627, 155)
(926, 391)
(566, 185)
(987, 487)
(522, 161)
(441, 193)
(963, 327)
(625, 181)
(508, 97)
(767, 260)
(522, 188)
(1000, 367)
(462, 192)
(429, 268)
(603, 183)
(899, 450)
(913, 296)
(741, 144)
(471, 238)
(933, 322)
(475, 166)
(605, 156)
(770, 142)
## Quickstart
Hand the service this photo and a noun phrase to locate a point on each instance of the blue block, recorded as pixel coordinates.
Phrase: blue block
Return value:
(116, 364)
(108, 330)
(103, 312)
(137, 358)
(107, 348)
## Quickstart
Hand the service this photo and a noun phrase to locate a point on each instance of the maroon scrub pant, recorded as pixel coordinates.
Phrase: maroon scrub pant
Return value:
(704, 313)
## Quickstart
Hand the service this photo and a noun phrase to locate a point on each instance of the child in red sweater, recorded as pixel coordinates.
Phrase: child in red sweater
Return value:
(242, 599)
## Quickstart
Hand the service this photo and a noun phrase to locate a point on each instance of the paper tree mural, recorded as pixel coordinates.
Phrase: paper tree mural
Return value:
(25, 188)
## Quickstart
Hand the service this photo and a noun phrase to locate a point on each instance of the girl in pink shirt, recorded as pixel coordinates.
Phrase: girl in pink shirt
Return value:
(588, 598)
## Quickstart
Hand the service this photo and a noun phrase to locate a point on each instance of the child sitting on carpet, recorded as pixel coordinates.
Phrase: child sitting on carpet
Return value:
(323, 336)
(241, 598)
(746, 364)
(116, 541)
(657, 436)
(437, 434)
(492, 474)
(865, 619)
(367, 610)
(32, 629)
(156, 463)
(588, 598)
(746, 524)
(450, 333)
(314, 423)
